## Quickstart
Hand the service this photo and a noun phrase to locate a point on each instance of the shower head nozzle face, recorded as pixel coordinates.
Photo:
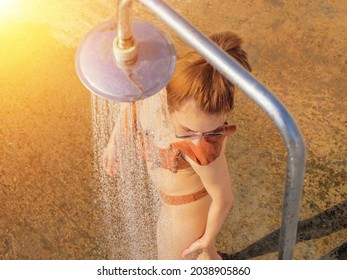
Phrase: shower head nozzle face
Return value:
(99, 71)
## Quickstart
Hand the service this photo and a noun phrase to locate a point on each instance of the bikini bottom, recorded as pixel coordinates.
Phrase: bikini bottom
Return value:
(182, 199)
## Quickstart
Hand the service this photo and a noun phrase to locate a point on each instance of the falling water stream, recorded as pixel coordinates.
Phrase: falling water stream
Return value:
(129, 200)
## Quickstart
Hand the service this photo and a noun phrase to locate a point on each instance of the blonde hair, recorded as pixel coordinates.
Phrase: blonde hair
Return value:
(195, 79)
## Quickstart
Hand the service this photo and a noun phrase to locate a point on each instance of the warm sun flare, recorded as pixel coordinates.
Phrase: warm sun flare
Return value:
(4, 5)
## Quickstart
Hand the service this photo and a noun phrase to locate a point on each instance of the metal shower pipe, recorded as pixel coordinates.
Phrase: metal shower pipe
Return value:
(124, 24)
(227, 66)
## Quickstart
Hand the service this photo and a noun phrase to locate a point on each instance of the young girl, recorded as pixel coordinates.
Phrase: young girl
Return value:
(184, 151)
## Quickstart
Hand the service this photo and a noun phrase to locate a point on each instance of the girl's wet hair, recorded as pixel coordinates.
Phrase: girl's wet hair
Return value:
(195, 79)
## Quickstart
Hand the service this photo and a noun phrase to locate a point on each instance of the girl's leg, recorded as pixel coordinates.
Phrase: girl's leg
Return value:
(179, 226)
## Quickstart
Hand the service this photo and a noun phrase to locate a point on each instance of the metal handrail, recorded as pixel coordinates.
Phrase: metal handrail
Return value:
(227, 66)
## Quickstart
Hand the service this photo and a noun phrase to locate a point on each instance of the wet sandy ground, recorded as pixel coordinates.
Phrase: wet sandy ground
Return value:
(49, 206)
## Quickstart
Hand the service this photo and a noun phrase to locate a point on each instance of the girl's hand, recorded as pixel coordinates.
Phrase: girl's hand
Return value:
(204, 251)
(110, 161)
(209, 255)
(196, 247)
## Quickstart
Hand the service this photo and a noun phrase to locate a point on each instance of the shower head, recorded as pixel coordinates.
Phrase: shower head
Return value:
(149, 70)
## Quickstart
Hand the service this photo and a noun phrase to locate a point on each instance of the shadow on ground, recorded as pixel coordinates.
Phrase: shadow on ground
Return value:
(323, 224)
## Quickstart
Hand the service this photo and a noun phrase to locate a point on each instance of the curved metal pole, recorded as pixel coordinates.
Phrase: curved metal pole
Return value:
(124, 25)
(267, 101)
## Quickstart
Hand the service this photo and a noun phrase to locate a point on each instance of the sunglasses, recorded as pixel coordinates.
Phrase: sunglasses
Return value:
(217, 132)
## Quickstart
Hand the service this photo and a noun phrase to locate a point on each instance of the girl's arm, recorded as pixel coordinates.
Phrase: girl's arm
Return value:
(215, 177)
(127, 117)
(109, 158)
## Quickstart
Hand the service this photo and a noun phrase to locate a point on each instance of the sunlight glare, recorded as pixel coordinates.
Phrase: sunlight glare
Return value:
(4, 4)
(6, 7)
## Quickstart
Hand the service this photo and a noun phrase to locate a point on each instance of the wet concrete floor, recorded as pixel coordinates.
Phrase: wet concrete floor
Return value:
(49, 200)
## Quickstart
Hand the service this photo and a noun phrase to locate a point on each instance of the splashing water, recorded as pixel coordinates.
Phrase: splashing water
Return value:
(129, 202)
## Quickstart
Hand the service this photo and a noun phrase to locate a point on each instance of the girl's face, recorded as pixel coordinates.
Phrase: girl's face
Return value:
(191, 124)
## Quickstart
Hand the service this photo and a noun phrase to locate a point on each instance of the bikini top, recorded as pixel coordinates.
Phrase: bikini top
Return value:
(173, 159)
